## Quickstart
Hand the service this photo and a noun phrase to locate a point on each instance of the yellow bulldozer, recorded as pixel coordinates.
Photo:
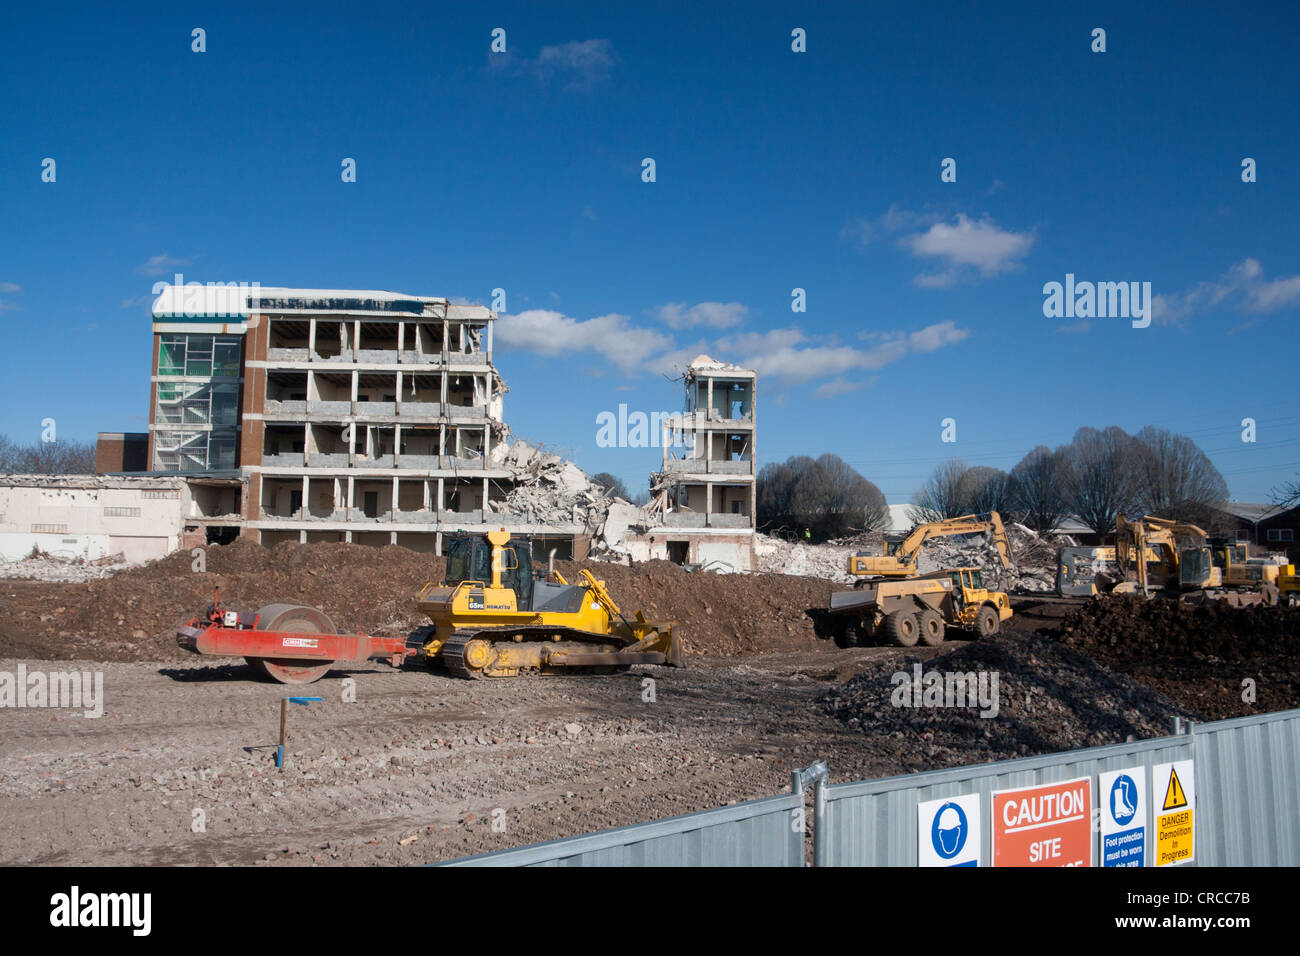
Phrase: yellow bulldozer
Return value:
(492, 617)
(899, 559)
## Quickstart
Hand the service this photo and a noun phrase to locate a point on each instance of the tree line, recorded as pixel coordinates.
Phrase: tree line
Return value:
(46, 458)
(1096, 476)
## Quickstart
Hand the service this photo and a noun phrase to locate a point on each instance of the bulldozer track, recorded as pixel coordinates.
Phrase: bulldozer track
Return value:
(453, 650)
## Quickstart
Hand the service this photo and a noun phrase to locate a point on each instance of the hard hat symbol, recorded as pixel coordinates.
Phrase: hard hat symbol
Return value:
(948, 834)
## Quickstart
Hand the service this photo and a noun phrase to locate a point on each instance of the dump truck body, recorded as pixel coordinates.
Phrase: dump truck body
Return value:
(918, 609)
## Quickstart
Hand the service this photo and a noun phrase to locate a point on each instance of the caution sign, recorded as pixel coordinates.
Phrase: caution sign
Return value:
(1048, 825)
(1173, 785)
(948, 831)
(1123, 817)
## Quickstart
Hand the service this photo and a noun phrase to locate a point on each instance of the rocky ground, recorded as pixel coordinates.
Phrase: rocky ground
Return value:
(423, 767)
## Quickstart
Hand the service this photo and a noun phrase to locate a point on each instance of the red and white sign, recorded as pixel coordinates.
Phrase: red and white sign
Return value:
(1048, 825)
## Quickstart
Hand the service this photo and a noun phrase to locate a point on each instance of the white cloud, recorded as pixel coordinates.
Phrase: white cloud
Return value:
(1242, 288)
(161, 264)
(837, 387)
(961, 242)
(967, 242)
(10, 287)
(551, 333)
(787, 355)
(715, 315)
(579, 65)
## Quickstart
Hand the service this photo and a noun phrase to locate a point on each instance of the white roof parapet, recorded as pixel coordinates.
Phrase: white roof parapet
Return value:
(220, 299)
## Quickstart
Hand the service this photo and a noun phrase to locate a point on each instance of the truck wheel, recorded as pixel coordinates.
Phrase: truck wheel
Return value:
(987, 623)
(902, 628)
(859, 633)
(842, 630)
(932, 628)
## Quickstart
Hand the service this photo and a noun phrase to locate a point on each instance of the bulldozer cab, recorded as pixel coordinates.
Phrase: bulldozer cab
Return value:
(469, 558)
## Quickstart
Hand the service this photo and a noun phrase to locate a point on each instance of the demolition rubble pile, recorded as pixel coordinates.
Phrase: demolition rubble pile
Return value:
(45, 567)
(1034, 555)
(1047, 698)
(827, 561)
(548, 489)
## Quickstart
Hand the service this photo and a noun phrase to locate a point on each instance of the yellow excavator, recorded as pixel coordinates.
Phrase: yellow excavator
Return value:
(899, 559)
(1190, 561)
(492, 617)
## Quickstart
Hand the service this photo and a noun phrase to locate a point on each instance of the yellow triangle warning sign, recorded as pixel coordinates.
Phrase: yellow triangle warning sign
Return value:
(1174, 796)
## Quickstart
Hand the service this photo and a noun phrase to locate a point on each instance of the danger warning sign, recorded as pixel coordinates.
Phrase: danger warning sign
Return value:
(1173, 785)
(1048, 825)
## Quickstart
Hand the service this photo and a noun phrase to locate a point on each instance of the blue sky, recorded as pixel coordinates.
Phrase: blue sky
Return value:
(775, 170)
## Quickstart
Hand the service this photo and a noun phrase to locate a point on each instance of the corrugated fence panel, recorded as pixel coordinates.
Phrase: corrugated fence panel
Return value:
(1248, 791)
(873, 823)
(754, 833)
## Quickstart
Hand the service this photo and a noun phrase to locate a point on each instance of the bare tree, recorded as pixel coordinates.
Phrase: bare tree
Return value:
(612, 484)
(1102, 476)
(826, 497)
(982, 489)
(1178, 480)
(1036, 493)
(47, 458)
(941, 495)
(1287, 496)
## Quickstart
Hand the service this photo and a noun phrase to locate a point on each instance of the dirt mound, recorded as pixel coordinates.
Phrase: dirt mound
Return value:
(1198, 655)
(133, 615)
(720, 614)
(1048, 699)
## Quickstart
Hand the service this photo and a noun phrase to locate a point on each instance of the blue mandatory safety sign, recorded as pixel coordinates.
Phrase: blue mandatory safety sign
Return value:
(948, 831)
(1123, 818)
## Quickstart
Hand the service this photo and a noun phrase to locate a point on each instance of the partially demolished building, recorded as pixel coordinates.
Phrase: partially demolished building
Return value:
(360, 416)
(703, 501)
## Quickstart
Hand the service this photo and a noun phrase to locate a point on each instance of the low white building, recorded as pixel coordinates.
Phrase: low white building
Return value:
(92, 516)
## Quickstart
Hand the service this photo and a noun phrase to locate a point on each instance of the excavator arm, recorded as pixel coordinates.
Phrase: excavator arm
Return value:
(903, 559)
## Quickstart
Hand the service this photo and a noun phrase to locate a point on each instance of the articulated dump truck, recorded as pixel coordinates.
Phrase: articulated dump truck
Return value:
(491, 617)
(916, 609)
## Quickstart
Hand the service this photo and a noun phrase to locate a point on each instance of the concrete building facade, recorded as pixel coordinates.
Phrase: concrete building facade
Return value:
(359, 416)
(703, 507)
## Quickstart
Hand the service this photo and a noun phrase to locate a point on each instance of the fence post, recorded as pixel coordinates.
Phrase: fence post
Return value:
(799, 780)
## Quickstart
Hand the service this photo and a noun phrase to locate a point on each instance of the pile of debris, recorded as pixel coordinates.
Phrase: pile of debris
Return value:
(1034, 554)
(549, 489)
(45, 567)
(828, 561)
(1045, 699)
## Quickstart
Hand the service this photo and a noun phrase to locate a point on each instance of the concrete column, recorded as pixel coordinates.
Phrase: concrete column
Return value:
(708, 502)
(306, 492)
(709, 399)
(356, 379)
(399, 393)
(425, 483)
(401, 340)
(302, 536)
(311, 338)
(485, 498)
(489, 340)
(356, 336)
(393, 509)
(442, 499)
(352, 492)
